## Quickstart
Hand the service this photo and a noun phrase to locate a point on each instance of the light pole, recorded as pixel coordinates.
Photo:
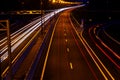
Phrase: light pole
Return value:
(42, 13)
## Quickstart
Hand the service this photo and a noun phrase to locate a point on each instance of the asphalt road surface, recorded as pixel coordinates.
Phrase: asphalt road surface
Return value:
(67, 58)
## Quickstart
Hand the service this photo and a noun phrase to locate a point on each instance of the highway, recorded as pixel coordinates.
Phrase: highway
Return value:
(76, 53)
(20, 35)
(66, 58)
(67, 50)
(25, 66)
(22, 40)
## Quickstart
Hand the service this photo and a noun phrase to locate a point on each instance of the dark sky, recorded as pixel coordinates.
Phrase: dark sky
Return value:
(74, 0)
(19, 4)
(8, 4)
(34, 4)
(105, 4)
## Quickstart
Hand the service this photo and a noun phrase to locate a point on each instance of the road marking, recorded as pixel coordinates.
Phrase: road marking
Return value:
(65, 34)
(71, 66)
(94, 30)
(66, 40)
(64, 30)
(86, 45)
(68, 50)
(47, 54)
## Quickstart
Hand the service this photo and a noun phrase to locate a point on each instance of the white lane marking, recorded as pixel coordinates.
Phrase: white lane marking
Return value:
(65, 34)
(47, 54)
(64, 30)
(94, 30)
(68, 50)
(66, 40)
(71, 66)
(86, 45)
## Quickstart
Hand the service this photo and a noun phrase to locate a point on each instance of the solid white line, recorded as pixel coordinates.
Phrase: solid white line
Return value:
(20, 53)
(65, 34)
(68, 50)
(113, 52)
(86, 45)
(71, 66)
(66, 40)
(44, 66)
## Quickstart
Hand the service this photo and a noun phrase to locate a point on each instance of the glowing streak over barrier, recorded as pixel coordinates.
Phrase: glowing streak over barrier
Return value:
(31, 27)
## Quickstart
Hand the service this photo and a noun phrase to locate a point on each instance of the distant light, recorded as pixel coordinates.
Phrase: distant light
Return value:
(22, 3)
(88, 2)
(109, 18)
(53, 1)
(90, 20)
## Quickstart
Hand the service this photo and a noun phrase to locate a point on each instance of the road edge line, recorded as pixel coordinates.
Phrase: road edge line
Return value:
(86, 44)
(47, 54)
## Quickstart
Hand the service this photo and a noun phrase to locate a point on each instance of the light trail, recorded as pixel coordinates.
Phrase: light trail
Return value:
(106, 46)
(111, 37)
(93, 55)
(27, 31)
(97, 64)
(81, 49)
(103, 51)
(71, 66)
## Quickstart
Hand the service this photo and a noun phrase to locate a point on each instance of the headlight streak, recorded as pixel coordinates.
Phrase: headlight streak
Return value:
(107, 47)
(19, 39)
(111, 37)
(103, 51)
(112, 51)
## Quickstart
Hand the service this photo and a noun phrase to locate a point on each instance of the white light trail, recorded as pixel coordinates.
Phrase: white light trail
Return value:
(23, 33)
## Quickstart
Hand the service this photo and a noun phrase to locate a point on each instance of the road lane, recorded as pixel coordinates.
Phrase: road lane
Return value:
(67, 60)
(37, 23)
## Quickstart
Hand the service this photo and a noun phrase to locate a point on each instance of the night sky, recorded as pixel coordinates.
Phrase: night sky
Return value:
(34, 4)
(22, 4)
(104, 4)
(18, 4)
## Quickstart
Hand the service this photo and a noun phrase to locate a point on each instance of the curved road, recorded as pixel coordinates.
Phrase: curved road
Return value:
(66, 58)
